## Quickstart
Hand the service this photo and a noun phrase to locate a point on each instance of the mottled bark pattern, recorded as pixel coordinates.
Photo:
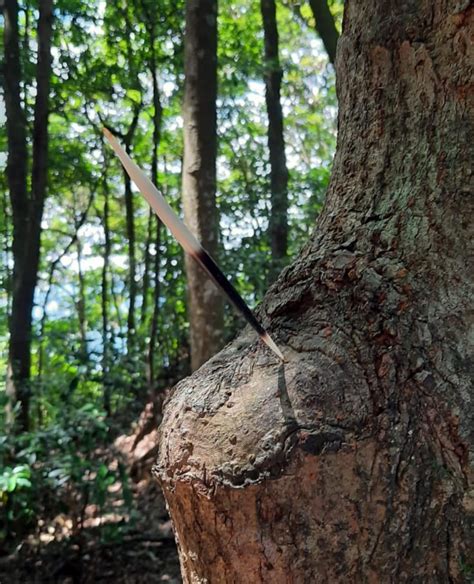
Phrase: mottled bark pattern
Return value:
(350, 462)
(205, 306)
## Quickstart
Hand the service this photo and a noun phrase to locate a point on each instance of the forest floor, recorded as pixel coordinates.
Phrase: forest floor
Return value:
(124, 544)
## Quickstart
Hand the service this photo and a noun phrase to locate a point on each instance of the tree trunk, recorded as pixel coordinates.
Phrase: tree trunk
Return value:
(325, 26)
(205, 306)
(276, 143)
(130, 221)
(157, 120)
(151, 349)
(349, 463)
(81, 307)
(27, 207)
(146, 269)
(107, 342)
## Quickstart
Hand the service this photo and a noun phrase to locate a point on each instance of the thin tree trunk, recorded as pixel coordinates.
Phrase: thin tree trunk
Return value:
(27, 208)
(349, 462)
(157, 120)
(52, 269)
(26, 52)
(127, 139)
(151, 368)
(105, 302)
(205, 305)
(132, 261)
(81, 306)
(325, 26)
(278, 226)
(146, 269)
(7, 275)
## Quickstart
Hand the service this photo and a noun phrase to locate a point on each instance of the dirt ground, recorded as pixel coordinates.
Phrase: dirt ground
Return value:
(122, 544)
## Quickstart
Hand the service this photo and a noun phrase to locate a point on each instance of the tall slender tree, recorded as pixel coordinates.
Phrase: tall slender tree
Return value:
(106, 284)
(278, 225)
(326, 26)
(205, 306)
(350, 462)
(130, 222)
(27, 203)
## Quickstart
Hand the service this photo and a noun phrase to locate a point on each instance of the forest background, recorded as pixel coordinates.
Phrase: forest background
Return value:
(110, 325)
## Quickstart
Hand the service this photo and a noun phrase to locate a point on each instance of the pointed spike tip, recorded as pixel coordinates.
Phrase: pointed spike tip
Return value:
(266, 338)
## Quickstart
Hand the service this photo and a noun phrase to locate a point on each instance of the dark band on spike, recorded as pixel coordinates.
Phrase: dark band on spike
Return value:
(206, 261)
(188, 241)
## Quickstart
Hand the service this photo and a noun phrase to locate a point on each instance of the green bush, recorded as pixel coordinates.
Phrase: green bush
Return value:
(60, 469)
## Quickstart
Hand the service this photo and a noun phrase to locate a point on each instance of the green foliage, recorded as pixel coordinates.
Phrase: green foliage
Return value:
(104, 58)
(57, 469)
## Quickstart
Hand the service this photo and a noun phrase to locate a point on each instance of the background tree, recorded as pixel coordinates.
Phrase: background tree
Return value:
(350, 461)
(278, 224)
(27, 200)
(205, 304)
(321, 15)
(326, 26)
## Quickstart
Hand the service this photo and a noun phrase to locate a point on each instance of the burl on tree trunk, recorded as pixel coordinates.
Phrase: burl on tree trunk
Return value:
(349, 463)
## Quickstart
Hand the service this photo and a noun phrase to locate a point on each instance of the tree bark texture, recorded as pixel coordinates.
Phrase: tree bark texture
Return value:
(350, 462)
(325, 26)
(27, 207)
(205, 306)
(278, 224)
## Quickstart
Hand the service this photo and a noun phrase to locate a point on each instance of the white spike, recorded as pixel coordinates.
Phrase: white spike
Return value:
(186, 239)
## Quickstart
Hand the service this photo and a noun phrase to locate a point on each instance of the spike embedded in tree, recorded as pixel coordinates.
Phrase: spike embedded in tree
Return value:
(187, 240)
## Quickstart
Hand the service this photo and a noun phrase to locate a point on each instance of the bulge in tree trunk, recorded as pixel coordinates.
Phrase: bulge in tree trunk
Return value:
(350, 462)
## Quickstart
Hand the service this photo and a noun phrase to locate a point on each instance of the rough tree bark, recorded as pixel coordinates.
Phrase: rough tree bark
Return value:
(27, 205)
(205, 306)
(349, 463)
(278, 225)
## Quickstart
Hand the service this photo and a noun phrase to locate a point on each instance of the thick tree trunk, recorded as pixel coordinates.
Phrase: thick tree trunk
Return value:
(349, 463)
(276, 143)
(205, 306)
(27, 207)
